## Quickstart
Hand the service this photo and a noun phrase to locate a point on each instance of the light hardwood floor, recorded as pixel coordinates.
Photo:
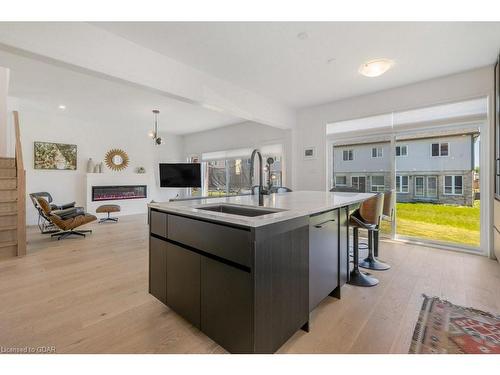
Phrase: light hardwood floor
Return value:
(91, 296)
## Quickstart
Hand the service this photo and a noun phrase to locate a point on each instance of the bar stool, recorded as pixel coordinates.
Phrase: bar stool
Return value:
(387, 213)
(371, 262)
(366, 217)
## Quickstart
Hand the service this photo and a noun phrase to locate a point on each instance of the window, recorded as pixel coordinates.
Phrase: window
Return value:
(440, 149)
(355, 182)
(419, 186)
(453, 185)
(348, 155)
(228, 172)
(432, 186)
(377, 152)
(340, 180)
(401, 150)
(378, 183)
(402, 184)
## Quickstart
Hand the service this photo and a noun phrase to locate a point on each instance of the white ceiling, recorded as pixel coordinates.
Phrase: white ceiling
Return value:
(96, 99)
(270, 60)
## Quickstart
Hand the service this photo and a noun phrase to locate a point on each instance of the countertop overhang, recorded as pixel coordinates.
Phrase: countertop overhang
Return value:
(294, 205)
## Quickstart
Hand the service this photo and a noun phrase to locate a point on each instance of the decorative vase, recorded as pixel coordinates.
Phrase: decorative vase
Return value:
(96, 168)
(90, 166)
(101, 167)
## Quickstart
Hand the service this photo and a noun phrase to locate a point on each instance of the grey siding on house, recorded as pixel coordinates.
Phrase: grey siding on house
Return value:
(418, 162)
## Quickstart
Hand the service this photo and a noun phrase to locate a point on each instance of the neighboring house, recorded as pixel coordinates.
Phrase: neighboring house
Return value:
(427, 169)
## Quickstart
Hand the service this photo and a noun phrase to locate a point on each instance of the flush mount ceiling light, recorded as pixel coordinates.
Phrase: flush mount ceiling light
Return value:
(62, 107)
(154, 133)
(375, 68)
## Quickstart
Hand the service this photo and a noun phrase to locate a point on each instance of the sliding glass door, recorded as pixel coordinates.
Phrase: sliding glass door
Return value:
(430, 157)
(441, 205)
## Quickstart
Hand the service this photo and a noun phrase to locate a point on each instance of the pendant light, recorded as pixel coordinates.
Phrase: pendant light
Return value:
(154, 133)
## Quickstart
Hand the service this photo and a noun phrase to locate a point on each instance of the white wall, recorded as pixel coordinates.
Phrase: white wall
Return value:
(311, 122)
(246, 134)
(4, 89)
(93, 140)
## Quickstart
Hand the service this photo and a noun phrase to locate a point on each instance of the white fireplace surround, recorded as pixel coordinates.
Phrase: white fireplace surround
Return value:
(128, 206)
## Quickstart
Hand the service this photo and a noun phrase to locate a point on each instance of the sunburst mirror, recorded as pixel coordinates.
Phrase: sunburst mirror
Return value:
(116, 159)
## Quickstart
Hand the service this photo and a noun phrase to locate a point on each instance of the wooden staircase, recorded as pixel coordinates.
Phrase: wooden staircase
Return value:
(13, 202)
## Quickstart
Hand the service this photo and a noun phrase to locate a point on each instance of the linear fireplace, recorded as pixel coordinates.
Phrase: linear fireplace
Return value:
(115, 192)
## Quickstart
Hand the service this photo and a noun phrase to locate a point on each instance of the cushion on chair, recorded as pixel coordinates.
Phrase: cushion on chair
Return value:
(73, 222)
(69, 212)
(44, 205)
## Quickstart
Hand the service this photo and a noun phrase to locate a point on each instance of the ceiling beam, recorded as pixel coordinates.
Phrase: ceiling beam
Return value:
(96, 51)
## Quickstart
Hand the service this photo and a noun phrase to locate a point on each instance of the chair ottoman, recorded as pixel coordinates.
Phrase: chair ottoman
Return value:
(108, 208)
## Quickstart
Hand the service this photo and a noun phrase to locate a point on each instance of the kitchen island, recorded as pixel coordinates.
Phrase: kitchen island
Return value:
(249, 275)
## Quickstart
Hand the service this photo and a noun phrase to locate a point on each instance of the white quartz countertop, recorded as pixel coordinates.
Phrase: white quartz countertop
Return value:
(292, 205)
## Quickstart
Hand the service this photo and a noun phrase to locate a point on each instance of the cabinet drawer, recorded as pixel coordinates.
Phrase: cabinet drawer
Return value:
(183, 282)
(226, 242)
(158, 223)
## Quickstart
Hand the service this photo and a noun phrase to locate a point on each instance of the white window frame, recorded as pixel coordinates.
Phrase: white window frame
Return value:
(453, 185)
(427, 186)
(400, 148)
(377, 190)
(350, 153)
(381, 155)
(415, 186)
(440, 143)
(342, 175)
(400, 178)
(352, 181)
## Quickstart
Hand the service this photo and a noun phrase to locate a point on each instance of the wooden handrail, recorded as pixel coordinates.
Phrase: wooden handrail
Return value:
(19, 151)
(21, 191)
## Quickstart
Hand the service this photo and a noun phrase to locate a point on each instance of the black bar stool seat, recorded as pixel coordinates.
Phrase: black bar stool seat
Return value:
(366, 217)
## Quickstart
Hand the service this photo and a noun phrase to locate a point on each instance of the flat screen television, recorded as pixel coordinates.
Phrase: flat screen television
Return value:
(180, 175)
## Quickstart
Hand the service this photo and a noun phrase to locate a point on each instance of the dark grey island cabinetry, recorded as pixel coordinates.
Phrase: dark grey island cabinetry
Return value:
(249, 284)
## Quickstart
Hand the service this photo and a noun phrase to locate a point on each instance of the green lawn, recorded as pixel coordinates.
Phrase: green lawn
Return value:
(456, 224)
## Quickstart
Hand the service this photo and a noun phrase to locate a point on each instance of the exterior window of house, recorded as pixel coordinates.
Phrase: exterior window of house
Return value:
(453, 185)
(340, 180)
(440, 149)
(377, 152)
(419, 186)
(378, 184)
(432, 186)
(402, 184)
(402, 150)
(348, 155)
(355, 182)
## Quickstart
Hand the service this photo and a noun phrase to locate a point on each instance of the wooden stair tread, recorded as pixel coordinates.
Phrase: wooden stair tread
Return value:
(8, 213)
(11, 200)
(8, 243)
(8, 227)
(8, 178)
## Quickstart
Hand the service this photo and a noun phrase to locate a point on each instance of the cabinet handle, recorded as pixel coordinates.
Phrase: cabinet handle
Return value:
(320, 225)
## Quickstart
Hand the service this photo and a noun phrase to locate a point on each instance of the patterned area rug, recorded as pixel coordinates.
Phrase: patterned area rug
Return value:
(445, 328)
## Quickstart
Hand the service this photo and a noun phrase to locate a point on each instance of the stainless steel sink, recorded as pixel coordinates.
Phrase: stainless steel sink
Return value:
(241, 210)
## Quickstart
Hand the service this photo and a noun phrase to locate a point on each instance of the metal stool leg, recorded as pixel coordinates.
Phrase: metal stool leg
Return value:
(357, 277)
(370, 262)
